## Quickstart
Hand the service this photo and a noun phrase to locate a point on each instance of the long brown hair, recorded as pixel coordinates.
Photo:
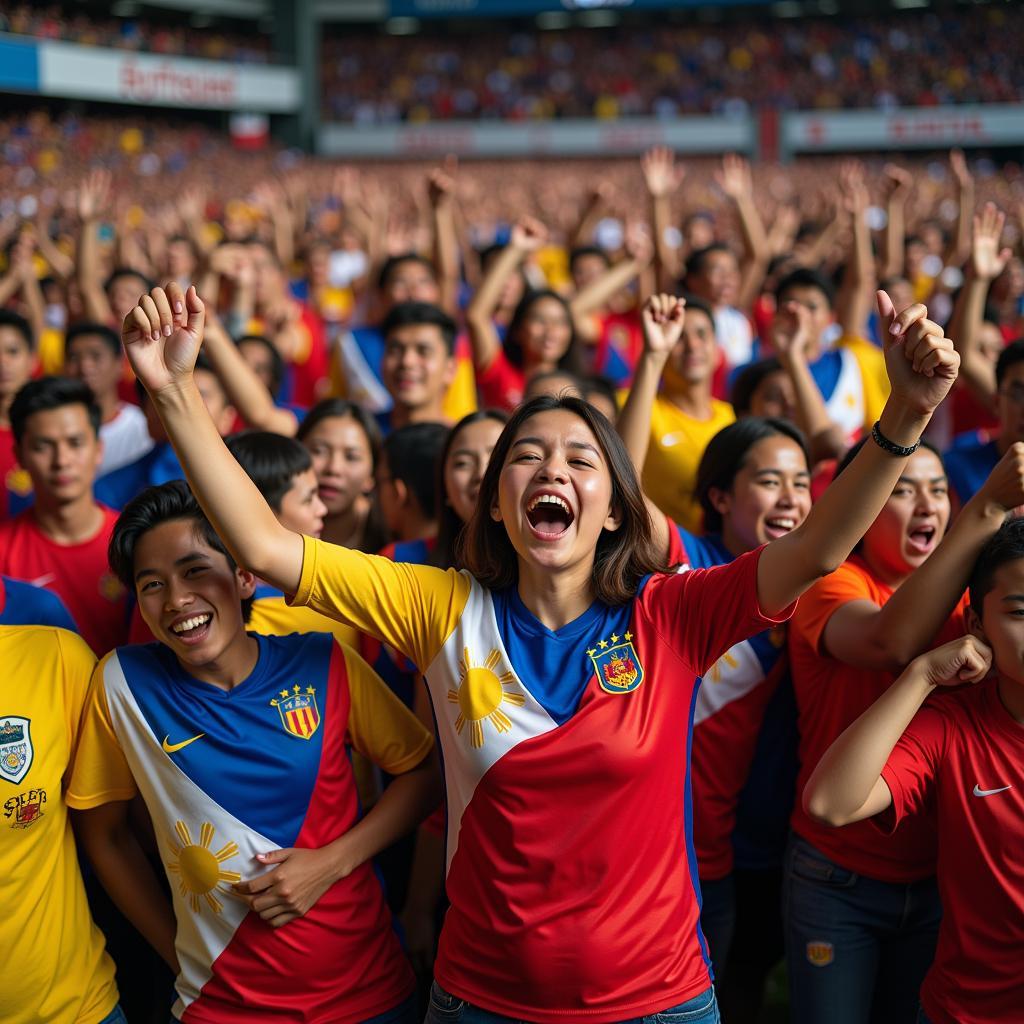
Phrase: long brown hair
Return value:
(623, 557)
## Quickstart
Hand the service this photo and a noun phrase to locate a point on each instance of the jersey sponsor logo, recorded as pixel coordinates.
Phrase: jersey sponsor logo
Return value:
(170, 748)
(480, 694)
(15, 747)
(25, 808)
(820, 954)
(198, 867)
(616, 663)
(299, 713)
(978, 791)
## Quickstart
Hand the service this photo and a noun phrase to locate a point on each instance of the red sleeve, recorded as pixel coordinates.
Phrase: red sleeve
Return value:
(703, 612)
(826, 597)
(677, 554)
(912, 765)
(501, 384)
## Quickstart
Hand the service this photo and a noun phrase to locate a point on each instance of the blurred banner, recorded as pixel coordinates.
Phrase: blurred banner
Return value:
(993, 124)
(511, 8)
(94, 73)
(539, 138)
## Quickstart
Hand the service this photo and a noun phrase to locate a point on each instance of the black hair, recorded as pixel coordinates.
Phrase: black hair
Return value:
(271, 461)
(748, 380)
(118, 272)
(1010, 356)
(727, 451)
(277, 367)
(1007, 545)
(48, 393)
(851, 454)
(573, 382)
(701, 305)
(571, 360)
(449, 525)
(412, 314)
(805, 277)
(8, 318)
(106, 334)
(202, 363)
(580, 252)
(145, 512)
(392, 263)
(412, 452)
(698, 260)
(595, 384)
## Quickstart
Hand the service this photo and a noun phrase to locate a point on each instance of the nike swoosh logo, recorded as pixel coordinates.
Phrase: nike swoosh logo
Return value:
(170, 748)
(978, 791)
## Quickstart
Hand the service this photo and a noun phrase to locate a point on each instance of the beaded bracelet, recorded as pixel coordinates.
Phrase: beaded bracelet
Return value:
(890, 446)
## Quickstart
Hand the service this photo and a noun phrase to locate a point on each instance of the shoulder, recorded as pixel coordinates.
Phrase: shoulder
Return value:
(722, 411)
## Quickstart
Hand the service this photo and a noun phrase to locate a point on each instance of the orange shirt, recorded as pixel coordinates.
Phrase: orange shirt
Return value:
(830, 695)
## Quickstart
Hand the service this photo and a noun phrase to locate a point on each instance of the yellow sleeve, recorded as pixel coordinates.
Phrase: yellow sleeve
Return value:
(871, 361)
(460, 398)
(99, 771)
(414, 608)
(380, 726)
(77, 663)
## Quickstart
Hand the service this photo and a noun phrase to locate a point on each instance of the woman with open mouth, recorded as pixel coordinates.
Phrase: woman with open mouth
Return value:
(862, 908)
(563, 665)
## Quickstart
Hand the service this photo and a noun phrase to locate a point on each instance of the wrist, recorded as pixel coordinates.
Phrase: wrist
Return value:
(985, 510)
(902, 424)
(176, 395)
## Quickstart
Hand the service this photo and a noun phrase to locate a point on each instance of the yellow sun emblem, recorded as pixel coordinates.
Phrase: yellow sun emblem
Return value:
(716, 669)
(200, 868)
(480, 695)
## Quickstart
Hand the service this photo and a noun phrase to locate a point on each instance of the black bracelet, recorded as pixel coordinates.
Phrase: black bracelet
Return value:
(890, 446)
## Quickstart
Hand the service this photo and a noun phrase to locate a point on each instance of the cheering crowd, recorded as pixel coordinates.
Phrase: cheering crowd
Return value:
(509, 597)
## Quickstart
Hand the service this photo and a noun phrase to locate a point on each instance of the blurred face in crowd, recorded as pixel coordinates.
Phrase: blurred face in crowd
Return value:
(189, 595)
(587, 268)
(693, 360)
(391, 495)
(912, 521)
(15, 363)
(301, 509)
(417, 367)
(410, 281)
(268, 277)
(1002, 622)
(91, 360)
(914, 254)
(545, 332)
(1011, 404)
(933, 238)
(698, 233)
(123, 294)
(61, 453)
(770, 495)
(222, 412)
(718, 279)
(342, 461)
(774, 397)
(317, 264)
(464, 467)
(181, 259)
(901, 291)
(260, 361)
(815, 302)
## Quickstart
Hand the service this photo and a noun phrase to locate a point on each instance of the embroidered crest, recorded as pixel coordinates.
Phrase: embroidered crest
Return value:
(616, 663)
(25, 808)
(821, 954)
(15, 748)
(299, 713)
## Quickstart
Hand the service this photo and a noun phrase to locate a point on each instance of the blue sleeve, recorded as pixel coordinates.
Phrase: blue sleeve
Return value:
(33, 606)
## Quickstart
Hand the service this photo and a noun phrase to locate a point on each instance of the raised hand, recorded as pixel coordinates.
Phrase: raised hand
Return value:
(967, 660)
(162, 336)
(661, 174)
(898, 180)
(987, 259)
(1005, 484)
(922, 364)
(791, 331)
(854, 189)
(441, 182)
(663, 318)
(958, 165)
(734, 178)
(94, 195)
(528, 235)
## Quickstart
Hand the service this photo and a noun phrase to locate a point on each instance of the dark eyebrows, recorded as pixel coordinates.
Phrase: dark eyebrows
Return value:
(934, 480)
(781, 472)
(192, 556)
(1018, 598)
(578, 445)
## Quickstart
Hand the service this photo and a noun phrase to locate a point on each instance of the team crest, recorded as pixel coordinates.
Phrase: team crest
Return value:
(299, 713)
(25, 808)
(15, 748)
(616, 663)
(820, 954)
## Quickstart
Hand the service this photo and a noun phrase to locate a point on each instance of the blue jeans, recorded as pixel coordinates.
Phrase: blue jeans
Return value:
(857, 949)
(718, 919)
(445, 1008)
(116, 1016)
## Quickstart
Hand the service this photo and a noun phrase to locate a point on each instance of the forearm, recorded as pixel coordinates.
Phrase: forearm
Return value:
(858, 280)
(446, 253)
(96, 305)
(480, 314)
(634, 422)
(894, 239)
(61, 265)
(845, 785)
(32, 296)
(978, 373)
(665, 263)
(824, 437)
(600, 291)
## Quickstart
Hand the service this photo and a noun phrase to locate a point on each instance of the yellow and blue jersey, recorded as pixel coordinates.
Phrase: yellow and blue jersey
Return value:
(228, 774)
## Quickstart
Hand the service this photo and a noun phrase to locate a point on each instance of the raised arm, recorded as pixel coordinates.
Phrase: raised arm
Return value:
(736, 181)
(601, 290)
(986, 264)
(441, 184)
(922, 367)
(93, 197)
(61, 265)
(899, 182)
(847, 784)
(855, 294)
(662, 177)
(528, 235)
(959, 250)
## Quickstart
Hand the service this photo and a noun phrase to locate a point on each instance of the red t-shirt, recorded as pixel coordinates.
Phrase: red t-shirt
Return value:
(77, 573)
(830, 695)
(964, 756)
(312, 363)
(501, 385)
(12, 477)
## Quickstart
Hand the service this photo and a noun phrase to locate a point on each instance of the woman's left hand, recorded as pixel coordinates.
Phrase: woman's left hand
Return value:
(298, 879)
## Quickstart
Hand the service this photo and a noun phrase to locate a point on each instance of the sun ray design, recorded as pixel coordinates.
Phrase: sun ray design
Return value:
(199, 868)
(716, 669)
(480, 694)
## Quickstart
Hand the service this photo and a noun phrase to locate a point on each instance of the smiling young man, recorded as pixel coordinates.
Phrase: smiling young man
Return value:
(61, 542)
(239, 746)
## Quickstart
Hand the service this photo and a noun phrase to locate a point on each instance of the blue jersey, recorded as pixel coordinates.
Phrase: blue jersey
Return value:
(968, 466)
(158, 466)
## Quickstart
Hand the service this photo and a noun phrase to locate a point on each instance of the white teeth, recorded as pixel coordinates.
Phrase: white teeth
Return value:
(549, 499)
(783, 524)
(187, 624)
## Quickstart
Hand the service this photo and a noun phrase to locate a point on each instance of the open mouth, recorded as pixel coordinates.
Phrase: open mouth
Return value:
(549, 516)
(779, 526)
(922, 539)
(194, 629)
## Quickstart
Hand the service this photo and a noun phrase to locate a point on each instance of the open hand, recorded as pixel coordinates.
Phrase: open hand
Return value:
(661, 174)
(987, 259)
(162, 336)
(734, 178)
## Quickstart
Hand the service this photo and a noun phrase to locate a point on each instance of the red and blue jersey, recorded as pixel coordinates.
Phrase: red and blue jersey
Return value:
(22, 604)
(228, 774)
(571, 870)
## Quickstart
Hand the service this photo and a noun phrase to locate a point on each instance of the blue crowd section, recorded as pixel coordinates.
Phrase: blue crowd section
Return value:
(19, 66)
